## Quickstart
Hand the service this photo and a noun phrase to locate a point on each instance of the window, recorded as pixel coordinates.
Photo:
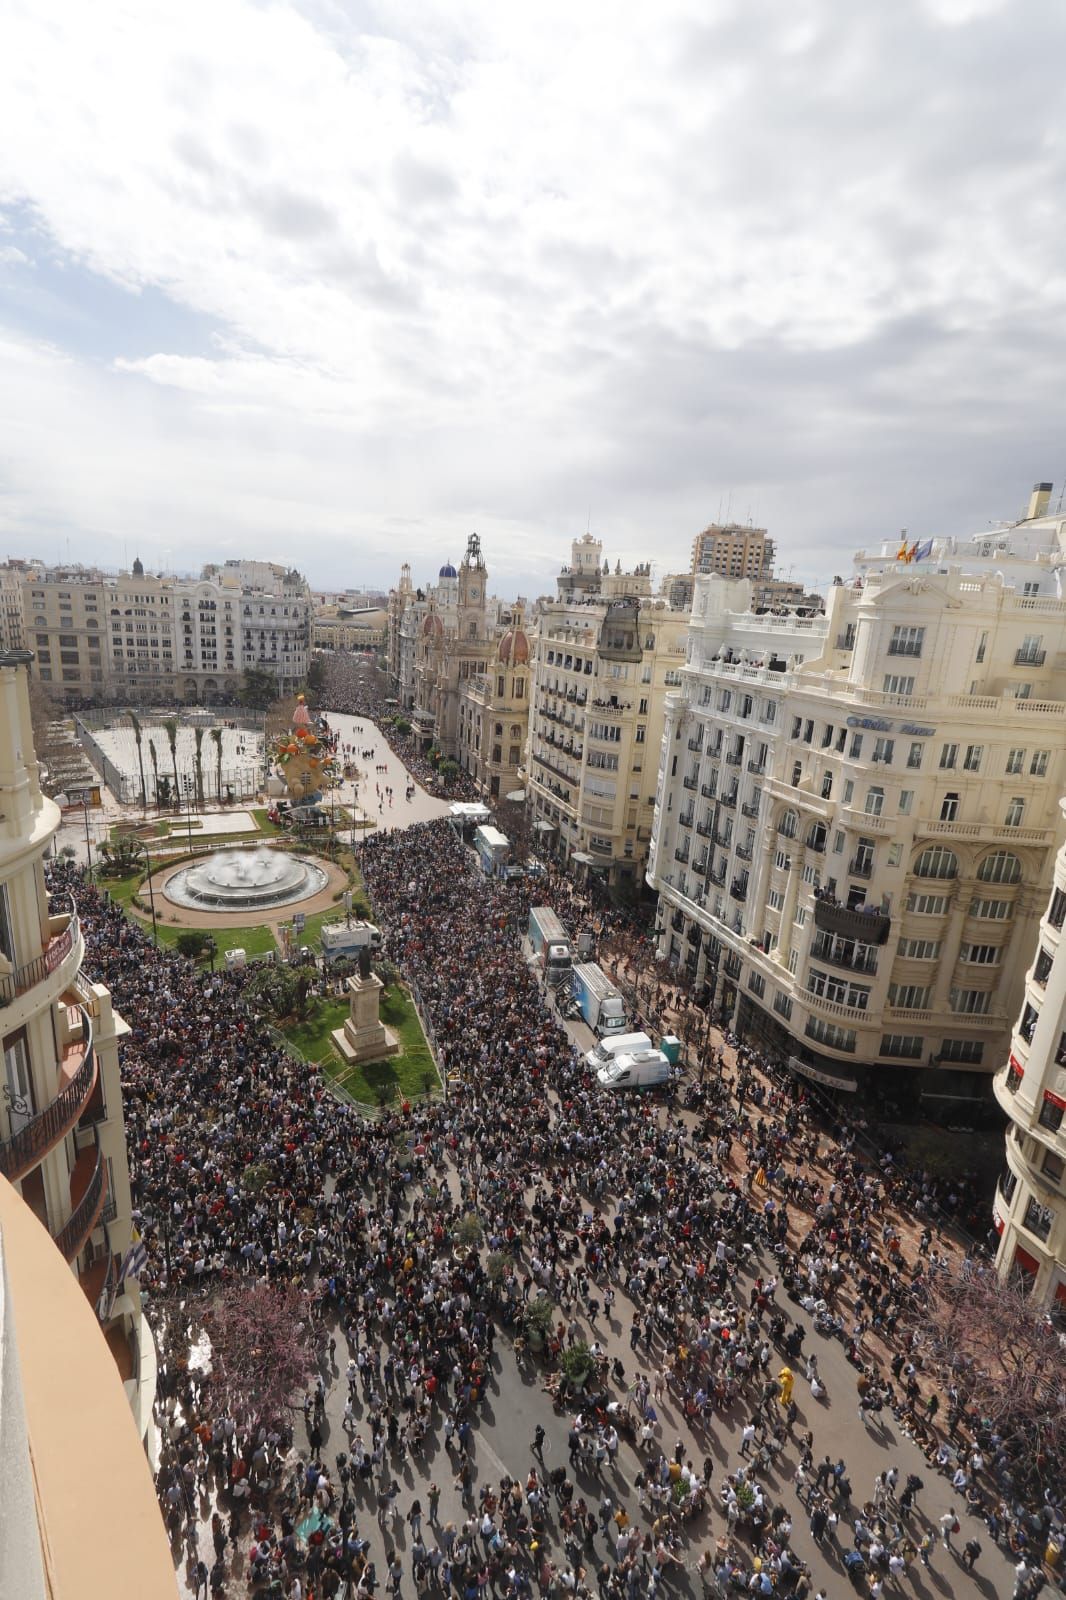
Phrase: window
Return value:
(1052, 1166)
(981, 648)
(970, 1051)
(908, 1046)
(757, 984)
(914, 756)
(783, 1006)
(980, 955)
(970, 1002)
(883, 749)
(949, 755)
(840, 990)
(1031, 653)
(896, 683)
(1022, 691)
(849, 790)
(828, 1033)
(1050, 1113)
(1056, 911)
(918, 949)
(906, 641)
(1015, 1074)
(992, 910)
(927, 905)
(1038, 1219)
(906, 797)
(1042, 968)
(972, 759)
(1015, 762)
(856, 746)
(1015, 812)
(1002, 867)
(936, 862)
(875, 802)
(908, 996)
(949, 807)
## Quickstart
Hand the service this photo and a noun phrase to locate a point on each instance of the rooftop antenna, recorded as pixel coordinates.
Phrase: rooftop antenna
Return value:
(1062, 491)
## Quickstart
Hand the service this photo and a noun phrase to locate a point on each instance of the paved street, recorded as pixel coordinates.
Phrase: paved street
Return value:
(361, 733)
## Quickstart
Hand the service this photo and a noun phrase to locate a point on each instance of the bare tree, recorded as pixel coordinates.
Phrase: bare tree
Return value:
(261, 1347)
(988, 1341)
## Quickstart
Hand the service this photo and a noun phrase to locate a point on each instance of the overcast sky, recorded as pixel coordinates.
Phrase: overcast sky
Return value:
(337, 283)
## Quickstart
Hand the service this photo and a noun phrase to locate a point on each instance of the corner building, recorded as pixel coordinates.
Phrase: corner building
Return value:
(62, 1137)
(855, 822)
(1029, 1209)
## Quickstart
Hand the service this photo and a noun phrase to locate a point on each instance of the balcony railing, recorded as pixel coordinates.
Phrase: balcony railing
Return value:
(860, 866)
(691, 783)
(758, 767)
(1030, 658)
(12, 984)
(87, 1206)
(825, 950)
(869, 927)
(750, 809)
(707, 791)
(32, 1142)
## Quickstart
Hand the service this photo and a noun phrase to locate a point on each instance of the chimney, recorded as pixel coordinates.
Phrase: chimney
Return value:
(1038, 501)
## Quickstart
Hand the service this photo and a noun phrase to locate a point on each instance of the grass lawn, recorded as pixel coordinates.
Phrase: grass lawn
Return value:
(404, 1074)
(263, 822)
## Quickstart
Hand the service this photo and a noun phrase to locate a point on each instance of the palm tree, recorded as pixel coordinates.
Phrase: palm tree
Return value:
(216, 740)
(155, 769)
(198, 735)
(170, 724)
(136, 723)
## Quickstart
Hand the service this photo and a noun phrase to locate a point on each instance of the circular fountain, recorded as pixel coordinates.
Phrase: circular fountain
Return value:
(241, 880)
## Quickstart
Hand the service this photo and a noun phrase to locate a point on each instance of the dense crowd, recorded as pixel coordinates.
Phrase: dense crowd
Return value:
(710, 1236)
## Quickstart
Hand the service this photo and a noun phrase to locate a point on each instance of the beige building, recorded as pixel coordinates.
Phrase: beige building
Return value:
(856, 819)
(338, 628)
(733, 551)
(494, 716)
(456, 643)
(1030, 1204)
(62, 1139)
(79, 1519)
(155, 640)
(602, 667)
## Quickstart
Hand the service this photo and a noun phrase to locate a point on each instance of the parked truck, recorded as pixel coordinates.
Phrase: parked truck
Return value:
(493, 850)
(342, 939)
(597, 999)
(550, 943)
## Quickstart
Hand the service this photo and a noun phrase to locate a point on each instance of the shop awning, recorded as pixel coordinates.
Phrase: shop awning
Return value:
(817, 1075)
(516, 796)
(586, 860)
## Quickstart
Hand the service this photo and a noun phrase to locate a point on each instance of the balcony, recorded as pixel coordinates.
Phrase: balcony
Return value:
(691, 783)
(60, 944)
(845, 641)
(695, 745)
(76, 1081)
(835, 956)
(707, 791)
(730, 800)
(738, 889)
(750, 809)
(757, 767)
(734, 758)
(88, 1188)
(718, 877)
(685, 819)
(681, 854)
(860, 866)
(704, 829)
(868, 927)
(1030, 658)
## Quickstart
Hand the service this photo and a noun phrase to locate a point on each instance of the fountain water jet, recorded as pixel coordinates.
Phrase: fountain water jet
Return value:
(241, 880)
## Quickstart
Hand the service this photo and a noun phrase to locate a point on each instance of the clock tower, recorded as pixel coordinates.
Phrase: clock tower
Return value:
(473, 585)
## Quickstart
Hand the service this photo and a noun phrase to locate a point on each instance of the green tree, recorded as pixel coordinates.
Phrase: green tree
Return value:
(216, 740)
(136, 724)
(155, 769)
(194, 942)
(198, 761)
(448, 769)
(170, 727)
(260, 688)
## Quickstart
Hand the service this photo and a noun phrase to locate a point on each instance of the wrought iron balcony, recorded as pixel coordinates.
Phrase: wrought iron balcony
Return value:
(88, 1185)
(29, 1144)
(26, 977)
(868, 927)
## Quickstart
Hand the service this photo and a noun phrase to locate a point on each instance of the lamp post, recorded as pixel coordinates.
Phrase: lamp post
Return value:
(88, 841)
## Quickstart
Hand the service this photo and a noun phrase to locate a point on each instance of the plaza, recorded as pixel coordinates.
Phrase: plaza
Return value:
(525, 1142)
(113, 749)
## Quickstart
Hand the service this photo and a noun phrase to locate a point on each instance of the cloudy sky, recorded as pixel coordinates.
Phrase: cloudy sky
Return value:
(337, 282)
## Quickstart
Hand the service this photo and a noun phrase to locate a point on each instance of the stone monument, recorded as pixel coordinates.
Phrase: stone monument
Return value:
(364, 1036)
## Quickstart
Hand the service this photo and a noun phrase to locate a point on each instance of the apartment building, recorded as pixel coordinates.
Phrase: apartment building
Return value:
(1029, 1209)
(158, 639)
(856, 816)
(494, 715)
(733, 551)
(12, 632)
(601, 669)
(62, 1139)
(343, 628)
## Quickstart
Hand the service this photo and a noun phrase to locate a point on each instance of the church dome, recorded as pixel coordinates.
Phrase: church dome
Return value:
(514, 648)
(447, 571)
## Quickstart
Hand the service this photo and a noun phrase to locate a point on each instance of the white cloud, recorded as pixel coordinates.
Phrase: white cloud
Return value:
(480, 262)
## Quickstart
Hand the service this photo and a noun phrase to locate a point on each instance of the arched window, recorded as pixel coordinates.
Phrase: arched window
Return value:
(936, 862)
(1002, 867)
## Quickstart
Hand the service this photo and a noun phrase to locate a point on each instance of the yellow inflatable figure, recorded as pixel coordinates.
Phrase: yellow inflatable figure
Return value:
(786, 1378)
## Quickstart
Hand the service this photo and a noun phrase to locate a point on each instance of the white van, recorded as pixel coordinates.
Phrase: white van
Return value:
(622, 1044)
(644, 1069)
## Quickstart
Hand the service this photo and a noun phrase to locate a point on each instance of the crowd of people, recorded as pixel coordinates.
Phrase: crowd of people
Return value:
(704, 1238)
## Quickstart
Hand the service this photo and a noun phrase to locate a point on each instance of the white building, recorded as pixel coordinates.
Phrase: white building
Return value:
(1030, 1204)
(856, 818)
(62, 1138)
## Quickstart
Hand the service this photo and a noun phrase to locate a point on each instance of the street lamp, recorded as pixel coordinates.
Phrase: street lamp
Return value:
(88, 841)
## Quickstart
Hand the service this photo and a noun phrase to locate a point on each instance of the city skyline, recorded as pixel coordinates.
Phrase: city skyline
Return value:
(337, 292)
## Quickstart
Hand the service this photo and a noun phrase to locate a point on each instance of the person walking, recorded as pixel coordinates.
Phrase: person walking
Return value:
(949, 1524)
